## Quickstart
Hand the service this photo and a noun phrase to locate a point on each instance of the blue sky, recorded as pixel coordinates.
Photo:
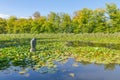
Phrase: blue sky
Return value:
(26, 8)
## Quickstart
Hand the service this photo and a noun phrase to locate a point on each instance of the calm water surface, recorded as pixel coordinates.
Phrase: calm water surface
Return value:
(70, 70)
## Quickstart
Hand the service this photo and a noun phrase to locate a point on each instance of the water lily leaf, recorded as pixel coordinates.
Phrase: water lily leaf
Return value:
(72, 75)
(75, 65)
(22, 72)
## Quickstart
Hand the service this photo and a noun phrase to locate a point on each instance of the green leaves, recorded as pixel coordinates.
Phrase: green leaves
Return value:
(95, 48)
(84, 21)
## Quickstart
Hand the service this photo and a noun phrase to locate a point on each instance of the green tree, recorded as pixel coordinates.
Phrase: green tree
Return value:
(10, 24)
(3, 25)
(81, 20)
(113, 18)
(22, 25)
(98, 20)
(53, 21)
(47, 27)
(66, 23)
(37, 24)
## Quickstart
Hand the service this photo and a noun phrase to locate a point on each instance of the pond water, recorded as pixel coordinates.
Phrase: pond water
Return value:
(93, 44)
(70, 70)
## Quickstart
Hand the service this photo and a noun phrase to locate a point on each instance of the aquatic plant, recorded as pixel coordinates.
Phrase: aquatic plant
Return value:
(94, 48)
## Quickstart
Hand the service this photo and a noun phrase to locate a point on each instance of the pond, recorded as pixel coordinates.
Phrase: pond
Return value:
(93, 44)
(70, 70)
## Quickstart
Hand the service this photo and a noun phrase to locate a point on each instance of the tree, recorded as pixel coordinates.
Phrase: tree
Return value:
(81, 20)
(66, 23)
(36, 15)
(113, 18)
(3, 25)
(53, 21)
(10, 24)
(22, 25)
(37, 24)
(98, 20)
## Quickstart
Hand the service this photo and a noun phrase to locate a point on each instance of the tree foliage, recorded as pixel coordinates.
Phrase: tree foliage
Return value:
(84, 21)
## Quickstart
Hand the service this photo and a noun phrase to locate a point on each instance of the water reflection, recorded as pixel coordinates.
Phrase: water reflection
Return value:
(24, 41)
(109, 67)
(70, 70)
(92, 44)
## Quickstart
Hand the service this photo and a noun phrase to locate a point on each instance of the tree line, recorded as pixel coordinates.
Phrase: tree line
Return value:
(105, 20)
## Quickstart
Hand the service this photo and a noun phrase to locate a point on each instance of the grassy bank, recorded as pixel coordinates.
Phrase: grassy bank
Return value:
(95, 48)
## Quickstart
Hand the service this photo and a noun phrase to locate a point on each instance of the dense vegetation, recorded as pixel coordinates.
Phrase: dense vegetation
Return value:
(94, 48)
(86, 20)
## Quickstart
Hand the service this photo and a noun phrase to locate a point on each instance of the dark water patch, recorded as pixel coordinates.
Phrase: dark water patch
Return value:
(15, 42)
(23, 42)
(48, 41)
(93, 44)
(70, 70)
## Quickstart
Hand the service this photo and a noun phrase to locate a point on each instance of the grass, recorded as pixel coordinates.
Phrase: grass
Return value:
(95, 48)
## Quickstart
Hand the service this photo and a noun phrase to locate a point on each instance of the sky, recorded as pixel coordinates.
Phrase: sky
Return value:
(26, 8)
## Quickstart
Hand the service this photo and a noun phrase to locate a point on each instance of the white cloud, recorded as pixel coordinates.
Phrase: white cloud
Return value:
(24, 17)
(7, 16)
(4, 16)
